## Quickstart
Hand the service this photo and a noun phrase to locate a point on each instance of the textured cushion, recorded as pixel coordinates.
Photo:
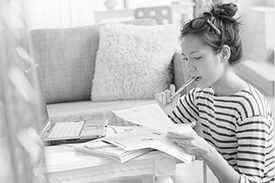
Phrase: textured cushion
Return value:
(67, 58)
(133, 62)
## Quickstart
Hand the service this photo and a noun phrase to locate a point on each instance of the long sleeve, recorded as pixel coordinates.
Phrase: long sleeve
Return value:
(240, 127)
(186, 110)
(255, 153)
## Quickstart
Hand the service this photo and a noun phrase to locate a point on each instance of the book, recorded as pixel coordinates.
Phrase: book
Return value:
(101, 148)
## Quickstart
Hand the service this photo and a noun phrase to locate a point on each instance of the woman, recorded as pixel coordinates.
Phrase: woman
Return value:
(236, 123)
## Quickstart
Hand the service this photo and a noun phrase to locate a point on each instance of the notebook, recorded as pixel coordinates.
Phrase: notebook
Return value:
(101, 148)
(64, 131)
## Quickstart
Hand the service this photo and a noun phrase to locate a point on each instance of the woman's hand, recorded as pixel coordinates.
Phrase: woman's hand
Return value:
(163, 99)
(187, 138)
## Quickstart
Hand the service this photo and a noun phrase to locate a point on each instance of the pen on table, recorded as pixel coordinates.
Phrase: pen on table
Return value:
(183, 87)
(97, 144)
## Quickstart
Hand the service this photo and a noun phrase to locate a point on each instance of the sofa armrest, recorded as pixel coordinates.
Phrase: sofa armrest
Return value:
(180, 72)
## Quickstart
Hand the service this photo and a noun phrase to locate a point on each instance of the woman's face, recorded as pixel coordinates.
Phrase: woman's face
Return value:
(202, 61)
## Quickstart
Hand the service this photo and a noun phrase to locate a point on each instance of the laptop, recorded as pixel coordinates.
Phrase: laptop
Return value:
(53, 133)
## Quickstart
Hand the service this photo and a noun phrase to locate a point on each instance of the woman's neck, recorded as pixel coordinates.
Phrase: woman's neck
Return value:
(229, 84)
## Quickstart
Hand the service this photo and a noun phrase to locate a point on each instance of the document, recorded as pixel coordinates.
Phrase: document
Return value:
(158, 124)
(150, 116)
(135, 140)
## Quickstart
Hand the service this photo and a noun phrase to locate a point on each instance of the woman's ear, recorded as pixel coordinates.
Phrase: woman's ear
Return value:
(225, 53)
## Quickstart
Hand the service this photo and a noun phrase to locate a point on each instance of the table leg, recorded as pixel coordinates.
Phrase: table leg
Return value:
(148, 179)
(204, 172)
(164, 167)
(164, 179)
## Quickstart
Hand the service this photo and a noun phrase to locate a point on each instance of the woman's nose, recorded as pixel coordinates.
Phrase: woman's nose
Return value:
(190, 68)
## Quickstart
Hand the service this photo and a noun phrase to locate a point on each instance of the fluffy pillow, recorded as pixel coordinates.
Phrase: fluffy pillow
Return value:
(133, 62)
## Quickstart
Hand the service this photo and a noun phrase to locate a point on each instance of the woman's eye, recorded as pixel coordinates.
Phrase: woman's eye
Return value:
(185, 59)
(197, 58)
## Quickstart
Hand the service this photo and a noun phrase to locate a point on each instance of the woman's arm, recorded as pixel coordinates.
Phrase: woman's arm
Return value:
(221, 169)
(256, 155)
(196, 145)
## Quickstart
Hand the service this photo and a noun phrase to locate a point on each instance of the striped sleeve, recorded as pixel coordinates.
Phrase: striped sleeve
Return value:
(186, 110)
(255, 155)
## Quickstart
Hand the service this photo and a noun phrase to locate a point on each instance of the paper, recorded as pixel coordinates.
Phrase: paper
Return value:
(130, 140)
(148, 139)
(101, 148)
(158, 124)
(150, 116)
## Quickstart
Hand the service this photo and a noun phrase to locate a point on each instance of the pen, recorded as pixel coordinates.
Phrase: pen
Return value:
(183, 86)
(97, 145)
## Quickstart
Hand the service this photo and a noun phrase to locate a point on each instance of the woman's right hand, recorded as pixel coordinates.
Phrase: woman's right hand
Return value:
(163, 99)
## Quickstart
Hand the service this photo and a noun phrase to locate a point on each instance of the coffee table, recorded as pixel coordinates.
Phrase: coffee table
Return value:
(64, 164)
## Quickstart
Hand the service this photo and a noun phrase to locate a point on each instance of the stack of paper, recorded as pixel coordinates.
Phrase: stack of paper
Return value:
(152, 117)
(133, 143)
(102, 148)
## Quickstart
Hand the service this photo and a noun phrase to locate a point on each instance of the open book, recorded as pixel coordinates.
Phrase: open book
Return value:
(102, 148)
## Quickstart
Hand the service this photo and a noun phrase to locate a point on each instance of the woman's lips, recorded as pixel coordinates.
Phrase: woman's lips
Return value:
(198, 78)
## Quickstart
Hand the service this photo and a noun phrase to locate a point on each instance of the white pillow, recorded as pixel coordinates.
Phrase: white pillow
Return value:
(132, 62)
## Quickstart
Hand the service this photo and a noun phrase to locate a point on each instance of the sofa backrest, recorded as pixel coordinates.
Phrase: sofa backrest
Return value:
(67, 60)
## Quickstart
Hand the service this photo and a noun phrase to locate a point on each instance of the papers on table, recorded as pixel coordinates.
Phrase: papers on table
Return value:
(101, 148)
(134, 140)
(150, 116)
(158, 124)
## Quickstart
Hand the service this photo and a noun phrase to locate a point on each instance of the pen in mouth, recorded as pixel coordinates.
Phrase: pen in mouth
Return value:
(191, 80)
(198, 78)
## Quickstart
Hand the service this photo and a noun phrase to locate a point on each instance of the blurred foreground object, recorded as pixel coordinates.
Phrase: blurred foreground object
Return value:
(22, 152)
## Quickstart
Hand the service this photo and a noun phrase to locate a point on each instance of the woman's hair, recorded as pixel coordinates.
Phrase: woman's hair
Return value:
(221, 15)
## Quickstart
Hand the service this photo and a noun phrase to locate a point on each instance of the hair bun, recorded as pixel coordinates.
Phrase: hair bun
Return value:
(229, 9)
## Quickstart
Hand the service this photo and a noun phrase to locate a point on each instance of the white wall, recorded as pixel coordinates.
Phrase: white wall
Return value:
(258, 27)
(244, 4)
(269, 3)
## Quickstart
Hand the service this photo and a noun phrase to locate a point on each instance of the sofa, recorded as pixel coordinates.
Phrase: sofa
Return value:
(67, 62)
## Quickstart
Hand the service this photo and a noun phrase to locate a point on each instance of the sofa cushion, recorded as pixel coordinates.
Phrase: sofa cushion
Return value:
(133, 62)
(67, 60)
(88, 110)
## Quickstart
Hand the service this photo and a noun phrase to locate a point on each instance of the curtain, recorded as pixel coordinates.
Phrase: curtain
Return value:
(73, 13)
(61, 13)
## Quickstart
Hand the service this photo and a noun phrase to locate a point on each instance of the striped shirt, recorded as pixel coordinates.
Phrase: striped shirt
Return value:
(240, 127)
